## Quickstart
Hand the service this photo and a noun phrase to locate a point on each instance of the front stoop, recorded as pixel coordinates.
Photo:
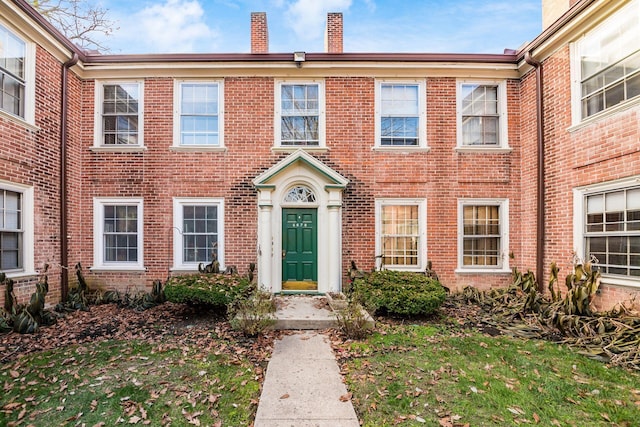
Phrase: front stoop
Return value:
(303, 312)
(308, 312)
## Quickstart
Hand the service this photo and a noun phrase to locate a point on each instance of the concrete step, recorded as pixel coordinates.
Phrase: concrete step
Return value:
(303, 312)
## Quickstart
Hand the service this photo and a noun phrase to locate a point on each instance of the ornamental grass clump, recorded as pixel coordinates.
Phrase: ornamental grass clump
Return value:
(399, 293)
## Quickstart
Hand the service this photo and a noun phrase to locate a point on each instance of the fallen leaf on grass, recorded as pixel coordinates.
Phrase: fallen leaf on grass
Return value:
(346, 397)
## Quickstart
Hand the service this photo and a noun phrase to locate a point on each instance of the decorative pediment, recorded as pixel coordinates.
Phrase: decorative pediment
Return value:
(301, 158)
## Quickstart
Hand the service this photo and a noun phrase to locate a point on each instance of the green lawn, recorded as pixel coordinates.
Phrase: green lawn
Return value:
(434, 375)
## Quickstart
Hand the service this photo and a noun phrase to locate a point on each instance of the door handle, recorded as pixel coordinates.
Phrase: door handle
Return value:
(284, 253)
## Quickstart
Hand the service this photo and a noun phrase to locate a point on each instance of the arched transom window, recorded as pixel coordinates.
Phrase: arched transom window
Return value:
(300, 194)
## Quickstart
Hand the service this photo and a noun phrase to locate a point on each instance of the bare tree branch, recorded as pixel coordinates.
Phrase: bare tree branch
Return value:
(79, 20)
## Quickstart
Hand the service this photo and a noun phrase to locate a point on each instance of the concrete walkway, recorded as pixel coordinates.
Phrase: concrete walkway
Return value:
(303, 386)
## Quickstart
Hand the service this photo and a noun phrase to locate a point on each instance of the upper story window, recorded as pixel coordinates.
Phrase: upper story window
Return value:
(13, 52)
(119, 114)
(482, 115)
(198, 116)
(299, 114)
(400, 114)
(608, 62)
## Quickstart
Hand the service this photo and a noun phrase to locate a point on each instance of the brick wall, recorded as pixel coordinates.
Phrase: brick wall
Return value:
(158, 174)
(32, 157)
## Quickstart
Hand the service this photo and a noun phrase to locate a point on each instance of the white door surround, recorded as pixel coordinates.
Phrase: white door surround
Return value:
(300, 169)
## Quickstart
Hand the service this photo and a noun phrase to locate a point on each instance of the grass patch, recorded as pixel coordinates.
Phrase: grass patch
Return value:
(426, 375)
(129, 382)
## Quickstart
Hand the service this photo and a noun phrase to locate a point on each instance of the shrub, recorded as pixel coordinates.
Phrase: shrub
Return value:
(215, 290)
(399, 293)
(353, 321)
(252, 315)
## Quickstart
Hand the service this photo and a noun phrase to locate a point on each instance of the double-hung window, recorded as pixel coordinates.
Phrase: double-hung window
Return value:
(400, 114)
(198, 232)
(16, 229)
(482, 116)
(612, 231)
(118, 234)
(119, 114)
(401, 233)
(13, 73)
(299, 114)
(198, 118)
(482, 235)
(607, 63)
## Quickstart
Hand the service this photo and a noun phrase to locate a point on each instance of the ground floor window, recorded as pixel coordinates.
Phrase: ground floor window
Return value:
(401, 233)
(198, 231)
(612, 230)
(118, 233)
(11, 230)
(482, 234)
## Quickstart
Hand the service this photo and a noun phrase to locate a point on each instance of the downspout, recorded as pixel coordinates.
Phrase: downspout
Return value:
(64, 255)
(540, 210)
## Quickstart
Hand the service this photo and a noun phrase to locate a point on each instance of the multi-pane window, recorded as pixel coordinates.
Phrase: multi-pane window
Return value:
(480, 115)
(481, 236)
(399, 114)
(400, 233)
(300, 114)
(199, 233)
(12, 73)
(199, 115)
(121, 111)
(612, 231)
(120, 233)
(11, 230)
(609, 61)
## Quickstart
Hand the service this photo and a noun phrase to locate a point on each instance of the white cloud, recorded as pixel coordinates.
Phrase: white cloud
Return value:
(307, 17)
(174, 26)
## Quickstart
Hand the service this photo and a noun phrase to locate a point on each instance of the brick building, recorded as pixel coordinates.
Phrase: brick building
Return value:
(142, 166)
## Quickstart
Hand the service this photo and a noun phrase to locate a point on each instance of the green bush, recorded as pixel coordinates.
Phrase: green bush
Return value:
(398, 293)
(215, 290)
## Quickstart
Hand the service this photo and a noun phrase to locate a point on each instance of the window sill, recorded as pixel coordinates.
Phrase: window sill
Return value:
(20, 275)
(617, 281)
(118, 268)
(197, 149)
(484, 150)
(401, 149)
(19, 120)
(119, 149)
(291, 149)
(605, 114)
(483, 270)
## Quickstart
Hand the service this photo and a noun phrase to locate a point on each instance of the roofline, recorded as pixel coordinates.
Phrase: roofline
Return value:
(53, 31)
(552, 29)
(309, 57)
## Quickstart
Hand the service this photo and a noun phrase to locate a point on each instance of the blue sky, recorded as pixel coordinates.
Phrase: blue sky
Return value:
(223, 26)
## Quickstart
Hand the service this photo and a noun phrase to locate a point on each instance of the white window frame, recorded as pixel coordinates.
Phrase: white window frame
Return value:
(177, 115)
(98, 234)
(422, 116)
(277, 124)
(503, 119)
(29, 117)
(28, 214)
(98, 137)
(576, 73)
(178, 204)
(579, 219)
(503, 212)
(422, 230)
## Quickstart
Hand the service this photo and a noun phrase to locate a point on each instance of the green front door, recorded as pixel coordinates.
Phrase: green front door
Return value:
(299, 249)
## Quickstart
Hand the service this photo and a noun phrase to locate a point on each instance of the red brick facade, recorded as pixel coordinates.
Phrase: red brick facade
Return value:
(601, 151)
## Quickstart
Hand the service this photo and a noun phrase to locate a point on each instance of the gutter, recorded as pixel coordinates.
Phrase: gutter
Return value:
(64, 112)
(540, 208)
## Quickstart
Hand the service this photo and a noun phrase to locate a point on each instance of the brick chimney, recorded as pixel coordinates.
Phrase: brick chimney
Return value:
(333, 35)
(259, 33)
